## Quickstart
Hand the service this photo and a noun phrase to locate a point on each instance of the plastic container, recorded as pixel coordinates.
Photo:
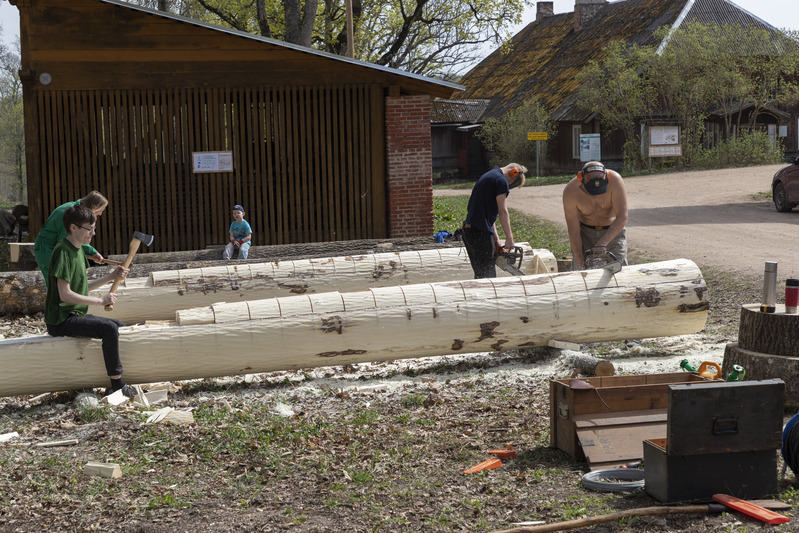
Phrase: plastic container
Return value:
(709, 370)
(791, 295)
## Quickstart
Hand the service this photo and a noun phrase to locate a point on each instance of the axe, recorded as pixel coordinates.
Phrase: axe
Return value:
(138, 238)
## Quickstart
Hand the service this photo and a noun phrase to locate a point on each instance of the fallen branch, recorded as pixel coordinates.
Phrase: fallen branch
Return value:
(614, 517)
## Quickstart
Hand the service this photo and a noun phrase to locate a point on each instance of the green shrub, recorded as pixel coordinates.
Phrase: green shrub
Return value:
(746, 149)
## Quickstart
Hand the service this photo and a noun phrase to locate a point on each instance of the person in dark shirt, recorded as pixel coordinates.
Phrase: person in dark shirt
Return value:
(487, 203)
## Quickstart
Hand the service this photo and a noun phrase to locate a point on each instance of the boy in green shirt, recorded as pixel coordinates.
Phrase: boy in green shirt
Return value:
(65, 310)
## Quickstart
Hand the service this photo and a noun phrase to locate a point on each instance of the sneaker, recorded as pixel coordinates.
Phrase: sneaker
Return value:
(126, 389)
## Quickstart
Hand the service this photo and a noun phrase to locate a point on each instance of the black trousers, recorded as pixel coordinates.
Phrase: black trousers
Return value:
(94, 327)
(481, 249)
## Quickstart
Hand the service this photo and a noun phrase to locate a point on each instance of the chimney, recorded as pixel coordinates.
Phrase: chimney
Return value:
(544, 10)
(584, 11)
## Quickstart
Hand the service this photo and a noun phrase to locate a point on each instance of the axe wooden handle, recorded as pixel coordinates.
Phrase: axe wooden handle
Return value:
(132, 249)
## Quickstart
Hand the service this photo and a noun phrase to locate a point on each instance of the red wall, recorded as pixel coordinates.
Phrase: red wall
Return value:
(409, 166)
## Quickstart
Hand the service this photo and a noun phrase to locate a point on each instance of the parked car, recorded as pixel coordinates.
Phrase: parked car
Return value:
(785, 187)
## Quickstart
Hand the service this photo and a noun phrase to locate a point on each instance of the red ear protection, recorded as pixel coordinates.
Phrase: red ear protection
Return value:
(513, 172)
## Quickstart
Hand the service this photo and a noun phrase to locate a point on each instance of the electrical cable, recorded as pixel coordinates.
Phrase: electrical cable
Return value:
(596, 480)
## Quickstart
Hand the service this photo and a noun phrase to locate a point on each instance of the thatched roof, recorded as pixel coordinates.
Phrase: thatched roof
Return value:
(546, 55)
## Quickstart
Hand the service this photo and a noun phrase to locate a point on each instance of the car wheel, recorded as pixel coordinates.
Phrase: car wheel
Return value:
(781, 199)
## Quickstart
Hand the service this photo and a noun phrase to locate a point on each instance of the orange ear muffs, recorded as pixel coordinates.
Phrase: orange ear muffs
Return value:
(513, 173)
(580, 176)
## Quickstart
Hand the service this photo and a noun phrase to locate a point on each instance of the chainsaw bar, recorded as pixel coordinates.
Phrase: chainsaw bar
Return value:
(511, 260)
(607, 261)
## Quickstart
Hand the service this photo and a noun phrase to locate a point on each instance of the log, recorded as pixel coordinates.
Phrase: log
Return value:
(767, 348)
(161, 295)
(590, 365)
(23, 292)
(380, 324)
(283, 252)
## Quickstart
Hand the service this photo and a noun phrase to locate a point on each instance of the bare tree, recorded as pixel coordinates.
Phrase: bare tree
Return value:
(12, 130)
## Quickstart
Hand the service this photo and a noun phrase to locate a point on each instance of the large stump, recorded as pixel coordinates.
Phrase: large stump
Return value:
(767, 347)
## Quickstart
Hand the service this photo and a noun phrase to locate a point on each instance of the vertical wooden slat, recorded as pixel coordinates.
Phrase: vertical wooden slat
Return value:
(337, 176)
(377, 137)
(249, 174)
(326, 167)
(282, 201)
(47, 142)
(195, 112)
(268, 140)
(301, 168)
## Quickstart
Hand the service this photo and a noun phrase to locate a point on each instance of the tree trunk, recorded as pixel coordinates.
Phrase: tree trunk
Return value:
(767, 348)
(590, 366)
(23, 292)
(381, 324)
(165, 292)
(769, 333)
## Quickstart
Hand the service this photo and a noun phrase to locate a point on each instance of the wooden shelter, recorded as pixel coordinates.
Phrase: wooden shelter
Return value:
(175, 121)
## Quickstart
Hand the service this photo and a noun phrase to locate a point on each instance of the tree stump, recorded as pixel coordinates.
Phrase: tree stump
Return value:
(767, 347)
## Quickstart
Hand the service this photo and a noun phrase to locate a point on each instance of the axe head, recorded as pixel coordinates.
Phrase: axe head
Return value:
(147, 240)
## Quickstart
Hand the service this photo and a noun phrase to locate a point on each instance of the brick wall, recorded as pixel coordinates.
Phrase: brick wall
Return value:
(410, 166)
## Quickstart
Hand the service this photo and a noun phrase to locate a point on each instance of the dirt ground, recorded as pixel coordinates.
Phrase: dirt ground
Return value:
(382, 447)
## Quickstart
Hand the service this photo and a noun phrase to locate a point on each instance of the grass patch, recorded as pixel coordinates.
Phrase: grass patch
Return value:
(449, 212)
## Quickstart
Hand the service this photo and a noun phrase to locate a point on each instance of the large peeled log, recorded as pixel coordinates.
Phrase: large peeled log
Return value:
(650, 300)
(163, 293)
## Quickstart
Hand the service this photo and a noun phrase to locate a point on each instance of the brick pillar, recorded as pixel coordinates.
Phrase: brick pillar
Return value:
(409, 164)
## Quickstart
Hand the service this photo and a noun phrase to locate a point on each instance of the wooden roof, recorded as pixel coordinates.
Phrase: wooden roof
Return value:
(547, 54)
(92, 38)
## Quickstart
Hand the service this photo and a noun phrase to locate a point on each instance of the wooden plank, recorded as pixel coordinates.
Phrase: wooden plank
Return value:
(643, 416)
(618, 444)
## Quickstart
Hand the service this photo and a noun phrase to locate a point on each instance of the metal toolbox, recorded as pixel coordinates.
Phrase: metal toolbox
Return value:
(721, 437)
(607, 422)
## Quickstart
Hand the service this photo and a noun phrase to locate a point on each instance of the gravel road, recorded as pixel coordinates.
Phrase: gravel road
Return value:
(716, 218)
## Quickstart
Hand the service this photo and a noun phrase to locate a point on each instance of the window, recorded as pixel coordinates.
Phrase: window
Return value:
(576, 131)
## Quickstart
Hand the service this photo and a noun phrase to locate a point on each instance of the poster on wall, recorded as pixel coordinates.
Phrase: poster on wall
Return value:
(664, 141)
(590, 147)
(212, 162)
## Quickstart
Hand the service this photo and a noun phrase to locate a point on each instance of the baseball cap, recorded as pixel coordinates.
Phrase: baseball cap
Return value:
(597, 185)
(237, 207)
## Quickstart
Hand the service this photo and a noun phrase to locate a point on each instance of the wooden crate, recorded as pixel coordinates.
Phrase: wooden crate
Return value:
(614, 416)
(720, 438)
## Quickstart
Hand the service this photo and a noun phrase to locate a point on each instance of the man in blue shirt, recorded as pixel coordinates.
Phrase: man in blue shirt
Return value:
(489, 201)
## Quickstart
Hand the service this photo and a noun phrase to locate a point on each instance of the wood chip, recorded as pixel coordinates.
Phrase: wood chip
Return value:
(107, 470)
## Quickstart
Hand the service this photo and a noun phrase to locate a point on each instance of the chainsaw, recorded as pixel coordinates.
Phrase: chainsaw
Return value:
(510, 260)
(607, 261)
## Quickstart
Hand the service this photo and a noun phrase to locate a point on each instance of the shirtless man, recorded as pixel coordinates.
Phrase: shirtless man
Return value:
(595, 205)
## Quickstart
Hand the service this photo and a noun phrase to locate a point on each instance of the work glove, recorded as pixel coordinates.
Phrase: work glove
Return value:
(235, 242)
(241, 241)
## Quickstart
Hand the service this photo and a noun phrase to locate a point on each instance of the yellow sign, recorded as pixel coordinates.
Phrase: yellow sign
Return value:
(536, 136)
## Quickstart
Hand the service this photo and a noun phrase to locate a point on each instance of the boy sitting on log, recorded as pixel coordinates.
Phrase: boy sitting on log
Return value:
(65, 310)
